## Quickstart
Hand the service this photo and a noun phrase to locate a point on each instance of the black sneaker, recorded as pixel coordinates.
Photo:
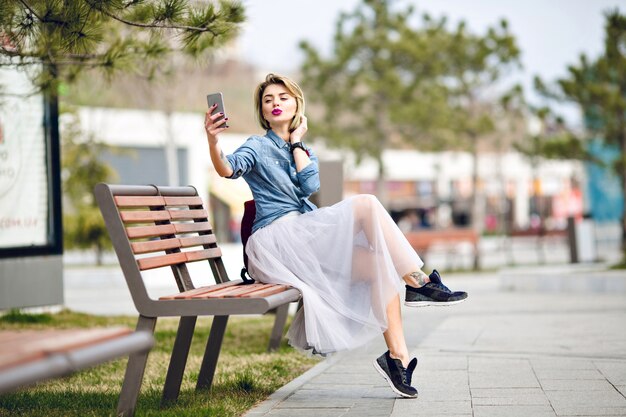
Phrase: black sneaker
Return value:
(433, 293)
(398, 377)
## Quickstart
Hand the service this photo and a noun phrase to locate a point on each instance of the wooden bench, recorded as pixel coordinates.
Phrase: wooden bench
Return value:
(423, 240)
(30, 356)
(155, 227)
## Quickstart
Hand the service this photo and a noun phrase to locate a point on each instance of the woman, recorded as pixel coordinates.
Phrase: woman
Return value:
(346, 260)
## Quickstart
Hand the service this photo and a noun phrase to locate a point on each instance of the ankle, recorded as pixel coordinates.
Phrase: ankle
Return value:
(416, 279)
(404, 358)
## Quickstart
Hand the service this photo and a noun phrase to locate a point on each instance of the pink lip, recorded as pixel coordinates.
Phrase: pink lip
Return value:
(276, 112)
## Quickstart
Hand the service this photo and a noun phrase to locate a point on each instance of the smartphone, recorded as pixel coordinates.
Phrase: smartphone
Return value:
(217, 98)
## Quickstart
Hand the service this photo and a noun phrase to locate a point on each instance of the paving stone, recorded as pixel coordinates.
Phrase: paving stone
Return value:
(444, 394)
(605, 398)
(491, 364)
(561, 363)
(439, 363)
(371, 409)
(336, 379)
(331, 387)
(575, 384)
(613, 371)
(513, 411)
(409, 407)
(380, 392)
(317, 403)
(568, 374)
(449, 378)
(345, 392)
(307, 412)
(539, 399)
(590, 410)
(509, 396)
(504, 392)
(503, 380)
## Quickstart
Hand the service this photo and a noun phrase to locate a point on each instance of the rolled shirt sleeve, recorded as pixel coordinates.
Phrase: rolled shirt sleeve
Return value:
(243, 159)
(309, 177)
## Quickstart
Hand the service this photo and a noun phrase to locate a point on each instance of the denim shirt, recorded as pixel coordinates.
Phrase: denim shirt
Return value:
(267, 165)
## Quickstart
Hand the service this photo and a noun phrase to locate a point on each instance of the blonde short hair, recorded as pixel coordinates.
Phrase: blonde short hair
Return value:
(293, 89)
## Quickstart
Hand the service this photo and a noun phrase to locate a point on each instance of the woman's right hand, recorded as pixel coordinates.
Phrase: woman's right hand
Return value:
(213, 127)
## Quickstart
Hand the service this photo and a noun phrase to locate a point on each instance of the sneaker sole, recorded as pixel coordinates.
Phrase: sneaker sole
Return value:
(384, 375)
(432, 303)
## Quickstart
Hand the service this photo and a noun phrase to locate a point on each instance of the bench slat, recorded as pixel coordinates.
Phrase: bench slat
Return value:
(144, 216)
(183, 201)
(200, 255)
(187, 242)
(200, 290)
(221, 292)
(236, 291)
(163, 260)
(155, 245)
(188, 214)
(266, 291)
(139, 201)
(150, 231)
(31, 345)
(192, 227)
(246, 289)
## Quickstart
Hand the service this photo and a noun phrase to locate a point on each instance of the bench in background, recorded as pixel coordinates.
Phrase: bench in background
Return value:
(424, 240)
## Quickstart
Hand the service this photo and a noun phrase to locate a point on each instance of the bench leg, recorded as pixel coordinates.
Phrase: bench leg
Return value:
(178, 360)
(134, 372)
(212, 353)
(279, 325)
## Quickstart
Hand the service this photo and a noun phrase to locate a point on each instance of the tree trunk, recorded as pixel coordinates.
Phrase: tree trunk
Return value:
(99, 254)
(622, 178)
(381, 184)
(477, 218)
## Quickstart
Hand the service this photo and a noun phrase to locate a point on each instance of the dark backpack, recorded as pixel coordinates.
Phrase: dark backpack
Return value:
(249, 213)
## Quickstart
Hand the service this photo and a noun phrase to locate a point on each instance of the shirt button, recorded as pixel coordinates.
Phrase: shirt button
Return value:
(276, 162)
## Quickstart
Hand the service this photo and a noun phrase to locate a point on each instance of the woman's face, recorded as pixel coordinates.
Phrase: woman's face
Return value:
(278, 105)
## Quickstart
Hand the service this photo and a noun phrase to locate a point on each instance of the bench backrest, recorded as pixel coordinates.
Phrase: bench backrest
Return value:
(153, 227)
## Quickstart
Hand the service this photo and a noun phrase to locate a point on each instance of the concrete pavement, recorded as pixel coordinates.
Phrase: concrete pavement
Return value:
(503, 352)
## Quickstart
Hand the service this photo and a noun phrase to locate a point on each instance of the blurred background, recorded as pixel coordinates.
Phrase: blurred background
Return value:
(493, 132)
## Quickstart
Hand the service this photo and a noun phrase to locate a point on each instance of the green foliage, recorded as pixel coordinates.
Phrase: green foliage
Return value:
(246, 373)
(82, 169)
(17, 316)
(598, 87)
(113, 35)
(390, 83)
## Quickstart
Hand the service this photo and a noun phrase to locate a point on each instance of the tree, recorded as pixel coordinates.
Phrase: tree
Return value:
(82, 169)
(377, 89)
(67, 37)
(598, 87)
(476, 64)
(390, 84)
(56, 40)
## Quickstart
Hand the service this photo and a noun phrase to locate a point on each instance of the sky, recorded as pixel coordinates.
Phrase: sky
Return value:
(550, 33)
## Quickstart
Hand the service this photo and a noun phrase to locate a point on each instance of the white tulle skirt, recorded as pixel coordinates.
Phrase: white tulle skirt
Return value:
(347, 260)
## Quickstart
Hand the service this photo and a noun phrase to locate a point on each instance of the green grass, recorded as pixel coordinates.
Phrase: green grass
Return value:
(246, 373)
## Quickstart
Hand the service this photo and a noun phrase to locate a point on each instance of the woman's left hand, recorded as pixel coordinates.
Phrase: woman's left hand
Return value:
(299, 132)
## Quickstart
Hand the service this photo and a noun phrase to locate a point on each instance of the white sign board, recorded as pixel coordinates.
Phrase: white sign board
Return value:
(23, 164)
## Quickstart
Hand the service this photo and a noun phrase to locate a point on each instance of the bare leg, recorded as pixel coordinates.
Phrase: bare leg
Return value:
(370, 215)
(394, 335)
(416, 279)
